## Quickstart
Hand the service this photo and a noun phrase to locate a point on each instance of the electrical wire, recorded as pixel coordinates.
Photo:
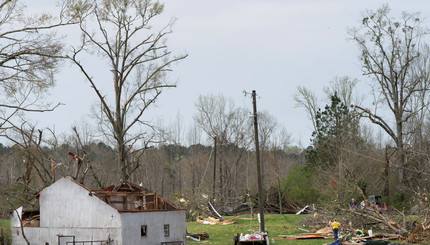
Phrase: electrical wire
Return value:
(207, 165)
(375, 159)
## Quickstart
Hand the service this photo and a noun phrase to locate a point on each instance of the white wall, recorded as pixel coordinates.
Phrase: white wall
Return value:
(15, 218)
(66, 208)
(155, 222)
(67, 204)
(41, 236)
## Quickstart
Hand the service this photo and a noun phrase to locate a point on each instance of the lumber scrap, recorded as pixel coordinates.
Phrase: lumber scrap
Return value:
(304, 236)
(214, 221)
(324, 230)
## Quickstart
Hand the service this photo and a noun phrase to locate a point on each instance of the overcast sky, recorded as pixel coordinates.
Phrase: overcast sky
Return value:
(271, 46)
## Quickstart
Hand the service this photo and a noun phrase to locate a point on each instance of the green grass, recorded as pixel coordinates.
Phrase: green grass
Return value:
(5, 229)
(275, 225)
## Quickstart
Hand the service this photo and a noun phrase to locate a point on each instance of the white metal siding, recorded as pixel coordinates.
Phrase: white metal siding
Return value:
(41, 236)
(67, 204)
(155, 222)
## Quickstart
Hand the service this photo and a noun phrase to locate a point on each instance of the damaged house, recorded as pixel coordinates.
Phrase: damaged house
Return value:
(126, 214)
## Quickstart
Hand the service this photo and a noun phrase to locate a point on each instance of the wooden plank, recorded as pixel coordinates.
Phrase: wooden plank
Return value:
(304, 236)
(156, 200)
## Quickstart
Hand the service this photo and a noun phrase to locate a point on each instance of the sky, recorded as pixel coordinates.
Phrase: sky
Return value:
(271, 46)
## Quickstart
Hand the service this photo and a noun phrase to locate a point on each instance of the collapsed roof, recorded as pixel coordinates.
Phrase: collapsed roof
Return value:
(128, 197)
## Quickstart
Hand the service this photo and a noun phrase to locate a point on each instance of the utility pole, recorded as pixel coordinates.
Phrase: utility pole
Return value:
(214, 176)
(257, 153)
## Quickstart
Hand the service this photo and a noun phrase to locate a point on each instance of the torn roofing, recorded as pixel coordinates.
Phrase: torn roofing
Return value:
(128, 197)
(123, 187)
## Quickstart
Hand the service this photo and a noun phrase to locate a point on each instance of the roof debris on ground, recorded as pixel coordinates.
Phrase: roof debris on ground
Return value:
(353, 238)
(304, 236)
(214, 221)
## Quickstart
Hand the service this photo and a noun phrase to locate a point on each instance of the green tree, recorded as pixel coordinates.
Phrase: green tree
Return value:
(336, 143)
(335, 126)
(298, 185)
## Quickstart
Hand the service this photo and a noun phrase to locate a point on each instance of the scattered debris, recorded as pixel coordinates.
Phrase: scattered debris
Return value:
(212, 208)
(31, 221)
(324, 230)
(305, 236)
(308, 209)
(254, 238)
(303, 229)
(192, 238)
(319, 234)
(420, 233)
(302, 210)
(214, 221)
(352, 238)
(198, 236)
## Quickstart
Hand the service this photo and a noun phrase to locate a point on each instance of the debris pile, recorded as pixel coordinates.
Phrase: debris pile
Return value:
(254, 238)
(198, 236)
(420, 233)
(350, 237)
(214, 221)
(304, 236)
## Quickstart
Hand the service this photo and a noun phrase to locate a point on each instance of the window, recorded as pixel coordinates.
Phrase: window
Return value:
(143, 230)
(166, 230)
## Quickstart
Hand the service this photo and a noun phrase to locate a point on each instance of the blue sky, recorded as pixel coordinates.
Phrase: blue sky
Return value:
(271, 46)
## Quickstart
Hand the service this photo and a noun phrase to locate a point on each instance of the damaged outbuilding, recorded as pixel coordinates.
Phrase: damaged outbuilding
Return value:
(126, 214)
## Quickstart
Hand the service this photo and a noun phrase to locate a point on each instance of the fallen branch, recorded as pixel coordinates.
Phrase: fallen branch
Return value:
(372, 213)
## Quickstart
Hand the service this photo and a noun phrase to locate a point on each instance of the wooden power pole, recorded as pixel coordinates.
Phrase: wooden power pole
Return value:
(257, 153)
(214, 176)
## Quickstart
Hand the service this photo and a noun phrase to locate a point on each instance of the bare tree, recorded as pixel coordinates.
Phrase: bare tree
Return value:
(220, 119)
(195, 159)
(390, 51)
(308, 100)
(344, 88)
(267, 128)
(30, 53)
(36, 160)
(138, 59)
(278, 143)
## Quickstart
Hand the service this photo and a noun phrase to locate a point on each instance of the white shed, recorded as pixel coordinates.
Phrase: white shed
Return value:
(124, 215)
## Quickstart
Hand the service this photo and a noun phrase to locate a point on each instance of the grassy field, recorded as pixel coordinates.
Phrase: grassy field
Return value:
(275, 225)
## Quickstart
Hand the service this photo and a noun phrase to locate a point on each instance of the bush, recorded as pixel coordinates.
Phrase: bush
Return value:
(298, 185)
